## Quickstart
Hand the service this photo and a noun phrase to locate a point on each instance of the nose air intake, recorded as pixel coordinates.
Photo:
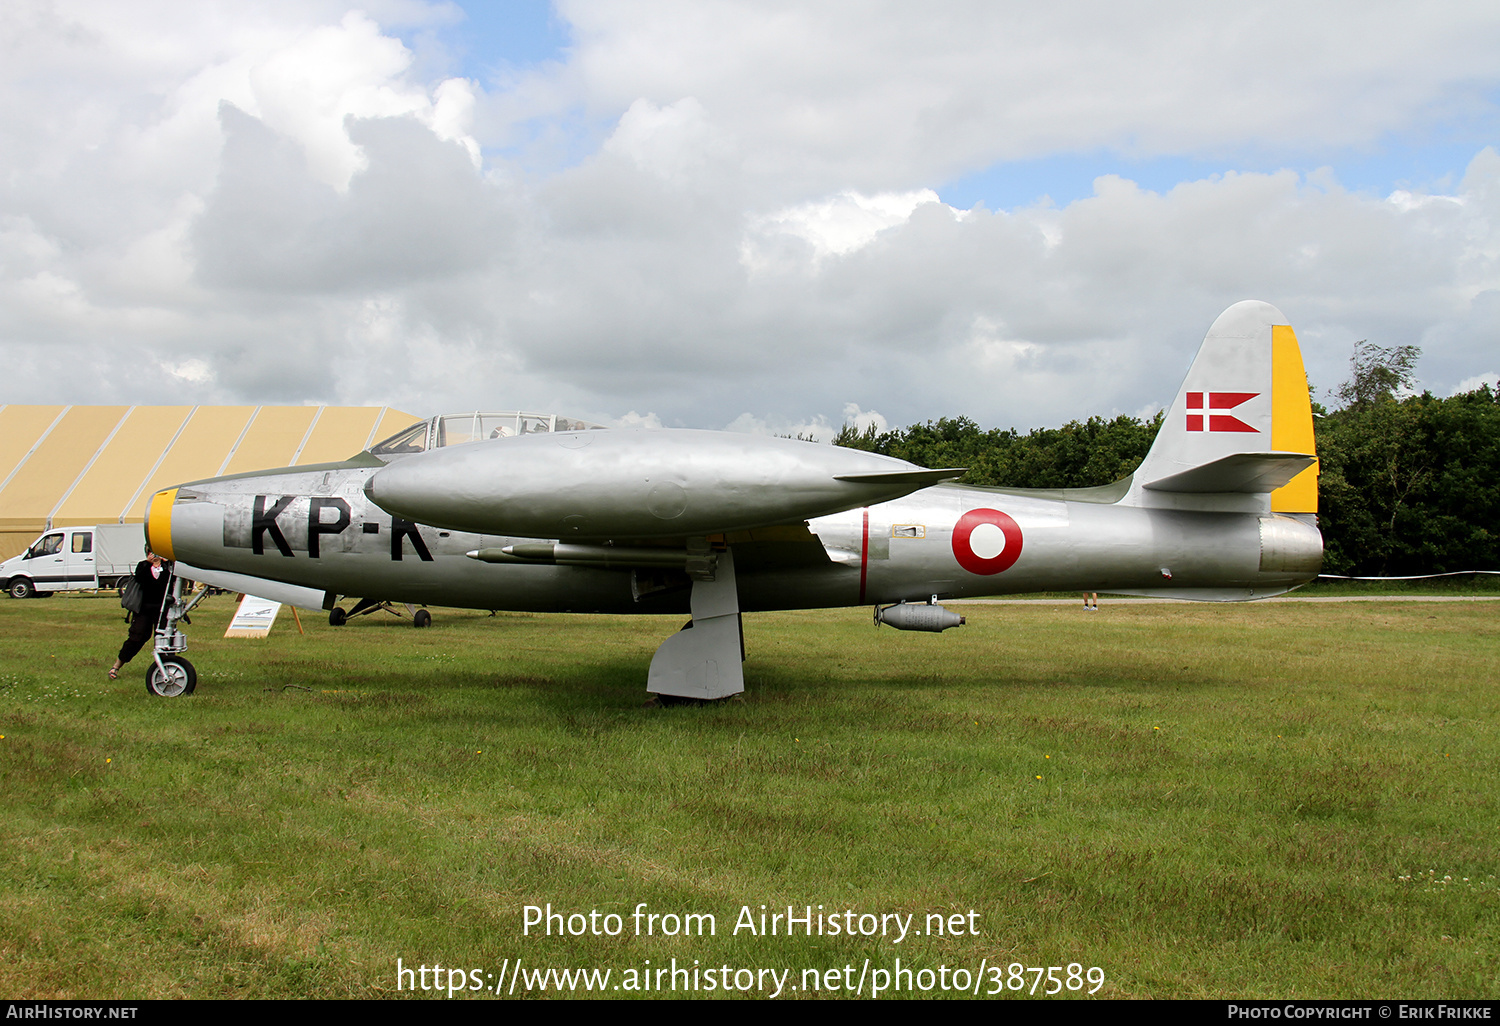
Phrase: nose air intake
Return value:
(159, 522)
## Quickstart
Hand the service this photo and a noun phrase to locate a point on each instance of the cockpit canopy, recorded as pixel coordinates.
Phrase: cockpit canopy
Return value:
(458, 428)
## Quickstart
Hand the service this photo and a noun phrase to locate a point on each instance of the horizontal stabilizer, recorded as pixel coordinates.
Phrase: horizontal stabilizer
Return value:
(915, 478)
(1253, 472)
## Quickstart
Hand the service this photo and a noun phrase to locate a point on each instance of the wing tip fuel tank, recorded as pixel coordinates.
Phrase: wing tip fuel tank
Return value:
(637, 484)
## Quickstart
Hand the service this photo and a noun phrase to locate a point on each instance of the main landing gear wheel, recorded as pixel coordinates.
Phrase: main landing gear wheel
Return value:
(180, 677)
(22, 589)
(338, 615)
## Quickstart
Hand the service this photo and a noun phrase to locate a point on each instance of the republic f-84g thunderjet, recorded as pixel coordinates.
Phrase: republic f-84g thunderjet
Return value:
(540, 514)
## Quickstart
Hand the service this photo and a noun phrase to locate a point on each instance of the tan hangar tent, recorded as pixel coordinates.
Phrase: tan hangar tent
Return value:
(68, 466)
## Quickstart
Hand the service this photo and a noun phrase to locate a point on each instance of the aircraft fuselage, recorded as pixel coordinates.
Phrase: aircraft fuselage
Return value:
(316, 528)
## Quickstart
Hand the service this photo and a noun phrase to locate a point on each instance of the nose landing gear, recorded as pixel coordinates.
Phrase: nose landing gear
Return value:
(170, 675)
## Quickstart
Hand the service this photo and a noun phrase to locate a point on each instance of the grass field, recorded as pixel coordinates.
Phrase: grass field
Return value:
(1284, 800)
(1462, 585)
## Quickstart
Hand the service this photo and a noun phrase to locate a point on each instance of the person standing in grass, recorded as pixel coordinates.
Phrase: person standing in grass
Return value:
(1091, 597)
(152, 575)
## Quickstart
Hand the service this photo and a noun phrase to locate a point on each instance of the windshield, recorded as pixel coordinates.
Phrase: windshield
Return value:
(458, 428)
(412, 439)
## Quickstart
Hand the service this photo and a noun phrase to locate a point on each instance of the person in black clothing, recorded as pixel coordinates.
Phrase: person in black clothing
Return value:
(152, 574)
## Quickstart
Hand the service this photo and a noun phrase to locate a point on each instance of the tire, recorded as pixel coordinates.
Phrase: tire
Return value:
(422, 618)
(22, 588)
(337, 617)
(180, 679)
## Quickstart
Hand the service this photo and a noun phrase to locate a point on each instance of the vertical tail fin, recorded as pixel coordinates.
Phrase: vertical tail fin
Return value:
(1240, 432)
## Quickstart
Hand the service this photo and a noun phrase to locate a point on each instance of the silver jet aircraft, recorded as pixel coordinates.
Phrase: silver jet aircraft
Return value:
(541, 514)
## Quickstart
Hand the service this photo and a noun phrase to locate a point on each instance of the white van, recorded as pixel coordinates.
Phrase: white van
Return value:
(73, 559)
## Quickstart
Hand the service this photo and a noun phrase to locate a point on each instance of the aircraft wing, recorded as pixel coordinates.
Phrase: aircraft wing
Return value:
(784, 547)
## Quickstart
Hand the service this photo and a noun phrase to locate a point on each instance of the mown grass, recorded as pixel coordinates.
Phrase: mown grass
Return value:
(1249, 801)
(1457, 585)
(1468, 585)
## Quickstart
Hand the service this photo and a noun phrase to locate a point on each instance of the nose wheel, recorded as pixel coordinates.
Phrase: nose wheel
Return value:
(171, 677)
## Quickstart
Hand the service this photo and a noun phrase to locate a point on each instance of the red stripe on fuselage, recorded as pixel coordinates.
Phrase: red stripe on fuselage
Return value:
(864, 556)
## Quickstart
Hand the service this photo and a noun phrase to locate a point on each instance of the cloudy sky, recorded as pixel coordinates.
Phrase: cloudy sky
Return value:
(709, 213)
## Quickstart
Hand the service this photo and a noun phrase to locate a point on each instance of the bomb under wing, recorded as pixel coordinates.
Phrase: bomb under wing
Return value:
(556, 518)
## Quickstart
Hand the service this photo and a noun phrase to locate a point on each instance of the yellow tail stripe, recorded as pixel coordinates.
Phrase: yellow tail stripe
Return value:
(159, 522)
(1291, 421)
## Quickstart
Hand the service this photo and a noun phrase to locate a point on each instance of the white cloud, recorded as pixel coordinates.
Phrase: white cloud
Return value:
(816, 428)
(192, 372)
(838, 225)
(719, 213)
(306, 89)
(1476, 382)
(862, 420)
(881, 95)
(451, 115)
(1405, 201)
(674, 142)
(648, 421)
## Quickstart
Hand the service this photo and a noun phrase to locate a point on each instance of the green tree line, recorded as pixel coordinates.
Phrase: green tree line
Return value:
(1409, 484)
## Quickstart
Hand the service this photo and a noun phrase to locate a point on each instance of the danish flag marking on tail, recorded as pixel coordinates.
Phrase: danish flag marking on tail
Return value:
(1218, 401)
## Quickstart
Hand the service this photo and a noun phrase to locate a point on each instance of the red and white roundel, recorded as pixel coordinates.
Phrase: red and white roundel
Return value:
(986, 541)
